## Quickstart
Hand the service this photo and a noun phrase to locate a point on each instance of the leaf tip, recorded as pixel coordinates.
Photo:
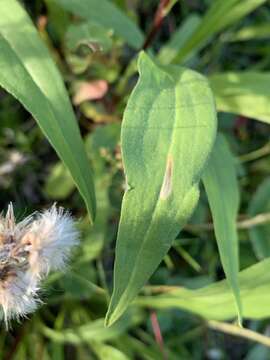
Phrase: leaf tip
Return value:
(110, 318)
(144, 60)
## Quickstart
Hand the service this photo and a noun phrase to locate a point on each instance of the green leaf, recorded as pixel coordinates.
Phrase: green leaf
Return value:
(94, 331)
(105, 13)
(220, 182)
(104, 351)
(89, 34)
(167, 133)
(59, 183)
(29, 74)
(216, 301)
(245, 93)
(259, 235)
(169, 51)
(58, 18)
(252, 32)
(220, 15)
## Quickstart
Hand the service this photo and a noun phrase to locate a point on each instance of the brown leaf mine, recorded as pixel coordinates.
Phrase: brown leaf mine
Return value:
(166, 188)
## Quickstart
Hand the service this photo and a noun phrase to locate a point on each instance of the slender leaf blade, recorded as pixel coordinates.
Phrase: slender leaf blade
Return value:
(216, 301)
(219, 15)
(170, 50)
(167, 133)
(29, 74)
(244, 93)
(251, 32)
(259, 235)
(220, 182)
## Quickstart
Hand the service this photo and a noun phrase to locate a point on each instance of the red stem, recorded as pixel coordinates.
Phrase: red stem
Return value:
(157, 333)
(158, 19)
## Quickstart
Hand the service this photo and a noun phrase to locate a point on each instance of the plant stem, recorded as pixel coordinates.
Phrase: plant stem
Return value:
(237, 331)
(158, 19)
(254, 155)
(260, 219)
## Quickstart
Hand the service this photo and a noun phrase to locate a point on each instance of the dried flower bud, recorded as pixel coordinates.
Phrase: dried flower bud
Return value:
(28, 251)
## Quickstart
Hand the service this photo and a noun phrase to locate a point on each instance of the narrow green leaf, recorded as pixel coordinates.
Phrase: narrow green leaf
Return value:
(220, 15)
(169, 51)
(168, 131)
(252, 32)
(29, 74)
(104, 351)
(94, 331)
(221, 186)
(259, 235)
(245, 93)
(105, 13)
(216, 301)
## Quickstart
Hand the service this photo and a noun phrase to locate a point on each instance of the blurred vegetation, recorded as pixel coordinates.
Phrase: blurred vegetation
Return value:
(99, 78)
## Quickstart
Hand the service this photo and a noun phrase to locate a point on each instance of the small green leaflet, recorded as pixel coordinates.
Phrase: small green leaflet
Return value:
(29, 74)
(168, 131)
(220, 181)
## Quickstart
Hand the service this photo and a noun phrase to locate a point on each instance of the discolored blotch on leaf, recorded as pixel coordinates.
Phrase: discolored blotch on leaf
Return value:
(166, 188)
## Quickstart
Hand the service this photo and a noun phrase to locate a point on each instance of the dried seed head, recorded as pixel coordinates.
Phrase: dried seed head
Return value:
(18, 293)
(50, 238)
(28, 250)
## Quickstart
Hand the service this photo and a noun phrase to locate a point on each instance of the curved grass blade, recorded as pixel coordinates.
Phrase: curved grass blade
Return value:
(220, 182)
(219, 15)
(259, 235)
(216, 301)
(29, 74)
(245, 93)
(168, 131)
(170, 50)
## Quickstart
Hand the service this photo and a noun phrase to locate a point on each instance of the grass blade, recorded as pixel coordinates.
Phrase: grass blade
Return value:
(220, 183)
(244, 93)
(216, 301)
(29, 74)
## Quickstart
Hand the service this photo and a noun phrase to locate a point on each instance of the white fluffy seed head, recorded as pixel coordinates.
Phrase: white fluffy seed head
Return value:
(50, 238)
(18, 295)
(28, 251)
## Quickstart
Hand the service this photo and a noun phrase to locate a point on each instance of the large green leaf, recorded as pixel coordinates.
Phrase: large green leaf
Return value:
(260, 235)
(168, 131)
(29, 74)
(105, 13)
(221, 186)
(245, 93)
(216, 301)
(220, 15)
